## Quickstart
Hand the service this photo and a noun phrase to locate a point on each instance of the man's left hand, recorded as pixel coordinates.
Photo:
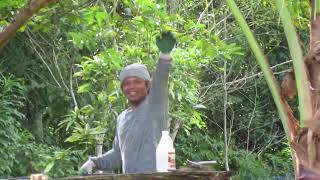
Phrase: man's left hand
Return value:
(166, 42)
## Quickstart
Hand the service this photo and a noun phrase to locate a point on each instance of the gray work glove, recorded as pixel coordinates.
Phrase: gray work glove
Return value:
(87, 167)
(166, 42)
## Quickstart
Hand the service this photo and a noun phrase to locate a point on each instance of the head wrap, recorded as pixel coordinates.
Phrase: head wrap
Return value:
(135, 70)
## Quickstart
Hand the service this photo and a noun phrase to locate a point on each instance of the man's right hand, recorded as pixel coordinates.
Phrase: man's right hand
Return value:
(87, 167)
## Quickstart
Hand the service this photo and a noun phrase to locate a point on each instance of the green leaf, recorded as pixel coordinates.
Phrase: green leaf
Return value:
(179, 97)
(49, 167)
(78, 74)
(199, 106)
(101, 16)
(84, 88)
(74, 138)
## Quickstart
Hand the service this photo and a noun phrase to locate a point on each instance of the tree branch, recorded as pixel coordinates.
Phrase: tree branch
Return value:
(175, 127)
(33, 45)
(249, 77)
(204, 11)
(32, 7)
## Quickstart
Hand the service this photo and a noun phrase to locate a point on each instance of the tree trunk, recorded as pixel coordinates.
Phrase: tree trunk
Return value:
(38, 126)
(175, 127)
(307, 142)
(315, 24)
(225, 122)
(34, 116)
(35, 122)
(172, 6)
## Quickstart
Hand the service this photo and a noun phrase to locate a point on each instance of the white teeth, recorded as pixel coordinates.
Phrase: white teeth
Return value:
(133, 93)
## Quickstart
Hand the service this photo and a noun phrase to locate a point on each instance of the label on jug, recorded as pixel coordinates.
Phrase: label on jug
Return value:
(171, 161)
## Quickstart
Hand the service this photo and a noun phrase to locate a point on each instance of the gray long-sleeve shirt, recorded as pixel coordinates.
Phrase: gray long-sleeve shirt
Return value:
(138, 131)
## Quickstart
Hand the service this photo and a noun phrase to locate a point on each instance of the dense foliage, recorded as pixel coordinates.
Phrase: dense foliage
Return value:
(59, 88)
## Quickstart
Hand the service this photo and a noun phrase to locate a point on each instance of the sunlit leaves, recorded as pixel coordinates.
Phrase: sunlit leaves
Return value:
(84, 88)
(82, 126)
(193, 26)
(82, 133)
(8, 9)
(95, 16)
(197, 120)
(11, 4)
(147, 6)
(300, 11)
(96, 27)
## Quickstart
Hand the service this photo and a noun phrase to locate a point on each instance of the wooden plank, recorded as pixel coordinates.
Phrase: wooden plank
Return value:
(176, 175)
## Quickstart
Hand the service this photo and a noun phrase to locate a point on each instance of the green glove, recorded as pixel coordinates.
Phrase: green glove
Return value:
(166, 42)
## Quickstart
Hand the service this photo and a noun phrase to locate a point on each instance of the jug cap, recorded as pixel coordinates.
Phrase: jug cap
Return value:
(165, 133)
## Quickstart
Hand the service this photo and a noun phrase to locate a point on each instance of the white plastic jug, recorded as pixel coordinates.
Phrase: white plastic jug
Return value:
(165, 154)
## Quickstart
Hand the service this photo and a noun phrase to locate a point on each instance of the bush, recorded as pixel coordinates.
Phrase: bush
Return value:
(201, 145)
(12, 98)
(20, 155)
(39, 158)
(247, 165)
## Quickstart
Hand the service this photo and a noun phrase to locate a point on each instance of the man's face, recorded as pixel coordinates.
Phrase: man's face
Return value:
(135, 89)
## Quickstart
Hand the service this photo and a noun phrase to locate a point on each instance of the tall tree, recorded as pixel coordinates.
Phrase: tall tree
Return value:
(307, 143)
(304, 140)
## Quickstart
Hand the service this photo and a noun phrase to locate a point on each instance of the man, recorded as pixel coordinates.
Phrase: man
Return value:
(139, 127)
